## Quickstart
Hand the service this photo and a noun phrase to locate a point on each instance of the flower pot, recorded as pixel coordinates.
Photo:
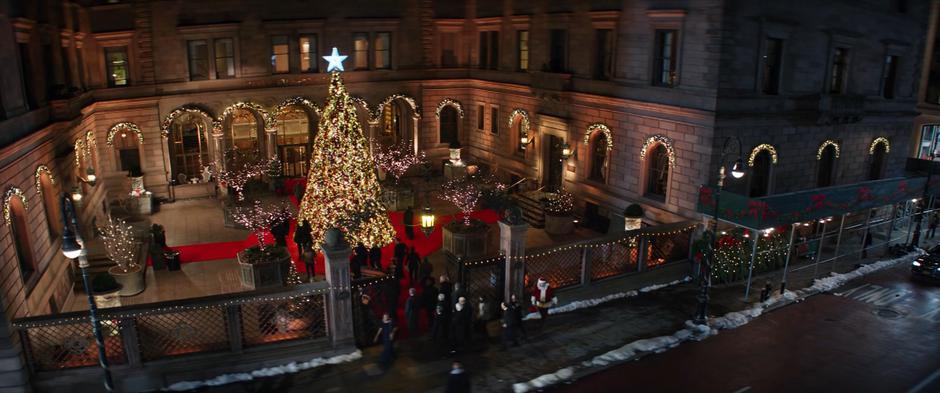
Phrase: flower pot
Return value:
(108, 299)
(268, 271)
(132, 282)
(559, 225)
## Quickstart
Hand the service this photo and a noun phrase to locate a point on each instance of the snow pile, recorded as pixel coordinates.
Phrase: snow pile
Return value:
(289, 368)
(695, 332)
(579, 304)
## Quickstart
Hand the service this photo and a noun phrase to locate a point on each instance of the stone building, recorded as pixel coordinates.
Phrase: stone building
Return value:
(642, 92)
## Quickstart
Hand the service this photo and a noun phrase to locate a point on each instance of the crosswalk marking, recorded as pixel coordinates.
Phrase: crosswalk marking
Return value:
(875, 294)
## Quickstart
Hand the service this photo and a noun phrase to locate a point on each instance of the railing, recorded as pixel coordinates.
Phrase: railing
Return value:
(137, 335)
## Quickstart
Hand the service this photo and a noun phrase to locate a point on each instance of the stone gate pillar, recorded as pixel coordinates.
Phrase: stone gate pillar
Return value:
(512, 245)
(339, 303)
(270, 142)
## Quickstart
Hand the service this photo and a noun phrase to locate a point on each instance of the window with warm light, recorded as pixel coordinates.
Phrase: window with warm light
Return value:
(360, 51)
(224, 58)
(522, 38)
(117, 66)
(280, 55)
(308, 53)
(599, 158)
(383, 51)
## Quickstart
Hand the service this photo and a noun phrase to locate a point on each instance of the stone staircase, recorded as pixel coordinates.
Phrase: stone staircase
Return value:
(531, 207)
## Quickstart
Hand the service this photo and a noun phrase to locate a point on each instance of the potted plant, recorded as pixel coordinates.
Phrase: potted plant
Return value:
(264, 265)
(105, 290)
(392, 161)
(468, 238)
(559, 213)
(122, 248)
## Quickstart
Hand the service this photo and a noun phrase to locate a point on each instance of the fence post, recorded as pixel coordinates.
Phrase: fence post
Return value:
(512, 246)
(15, 375)
(585, 267)
(339, 303)
(130, 340)
(234, 326)
(641, 253)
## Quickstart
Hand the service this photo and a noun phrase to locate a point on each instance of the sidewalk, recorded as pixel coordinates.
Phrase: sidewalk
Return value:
(566, 339)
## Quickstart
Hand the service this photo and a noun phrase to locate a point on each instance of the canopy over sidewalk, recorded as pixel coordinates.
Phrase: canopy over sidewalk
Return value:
(784, 209)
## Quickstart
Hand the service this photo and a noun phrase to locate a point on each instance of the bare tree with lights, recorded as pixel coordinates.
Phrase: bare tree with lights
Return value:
(259, 218)
(465, 193)
(241, 167)
(396, 159)
(120, 245)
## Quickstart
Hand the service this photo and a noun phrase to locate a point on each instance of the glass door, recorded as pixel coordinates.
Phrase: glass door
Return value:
(294, 160)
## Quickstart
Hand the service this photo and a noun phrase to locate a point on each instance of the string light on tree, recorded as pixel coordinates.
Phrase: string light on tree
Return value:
(259, 218)
(466, 192)
(395, 159)
(342, 187)
(119, 244)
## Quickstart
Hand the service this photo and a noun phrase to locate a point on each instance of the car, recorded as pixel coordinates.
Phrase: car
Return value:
(927, 266)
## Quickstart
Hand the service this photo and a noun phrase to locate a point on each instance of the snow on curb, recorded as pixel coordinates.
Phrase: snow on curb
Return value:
(579, 304)
(289, 368)
(695, 332)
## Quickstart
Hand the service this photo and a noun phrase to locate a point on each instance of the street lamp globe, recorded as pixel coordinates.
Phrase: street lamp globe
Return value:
(737, 169)
(427, 221)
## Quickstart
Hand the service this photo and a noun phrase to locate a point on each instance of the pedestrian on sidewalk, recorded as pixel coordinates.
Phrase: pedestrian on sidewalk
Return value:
(460, 325)
(458, 381)
(932, 225)
(369, 321)
(428, 298)
(765, 293)
(400, 251)
(375, 257)
(543, 298)
(517, 312)
(411, 312)
(510, 323)
(485, 314)
(414, 266)
(387, 334)
(440, 329)
(302, 236)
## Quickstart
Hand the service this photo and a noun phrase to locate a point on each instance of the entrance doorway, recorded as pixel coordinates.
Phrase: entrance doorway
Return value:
(294, 160)
(553, 163)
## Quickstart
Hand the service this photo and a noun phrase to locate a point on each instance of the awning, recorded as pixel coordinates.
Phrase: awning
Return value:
(784, 209)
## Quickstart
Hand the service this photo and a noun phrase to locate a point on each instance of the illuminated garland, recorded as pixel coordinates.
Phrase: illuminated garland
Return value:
(124, 127)
(524, 126)
(762, 147)
(604, 129)
(560, 203)
(241, 167)
(733, 256)
(449, 102)
(822, 147)
(266, 120)
(397, 158)
(342, 188)
(176, 113)
(259, 218)
(465, 192)
(376, 116)
(79, 151)
(38, 176)
(874, 144)
(299, 101)
(661, 139)
(11, 192)
(119, 244)
(361, 102)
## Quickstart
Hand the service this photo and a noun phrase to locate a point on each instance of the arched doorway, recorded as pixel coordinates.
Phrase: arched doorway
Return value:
(189, 146)
(826, 166)
(876, 169)
(599, 149)
(17, 222)
(244, 130)
(294, 139)
(49, 192)
(760, 174)
(127, 146)
(657, 173)
(448, 126)
(395, 122)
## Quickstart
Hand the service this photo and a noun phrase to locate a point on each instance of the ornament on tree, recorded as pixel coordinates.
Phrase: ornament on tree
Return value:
(342, 188)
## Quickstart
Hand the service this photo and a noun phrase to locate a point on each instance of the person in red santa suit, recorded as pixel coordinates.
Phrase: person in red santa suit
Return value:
(543, 297)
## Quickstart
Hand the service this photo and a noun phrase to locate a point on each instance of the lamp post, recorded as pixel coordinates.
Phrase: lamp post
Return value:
(737, 171)
(73, 248)
(427, 220)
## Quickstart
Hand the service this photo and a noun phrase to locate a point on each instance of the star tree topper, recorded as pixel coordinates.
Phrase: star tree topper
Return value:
(336, 61)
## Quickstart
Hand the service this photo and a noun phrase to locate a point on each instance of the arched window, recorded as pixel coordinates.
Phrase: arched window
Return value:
(19, 230)
(760, 174)
(293, 140)
(449, 125)
(827, 163)
(50, 202)
(243, 130)
(127, 146)
(189, 145)
(657, 172)
(393, 122)
(599, 151)
(878, 155)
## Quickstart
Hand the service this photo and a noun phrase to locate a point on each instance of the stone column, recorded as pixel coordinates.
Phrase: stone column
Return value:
(339, 304)
(512, 245)
(218, 149)
(270, 142)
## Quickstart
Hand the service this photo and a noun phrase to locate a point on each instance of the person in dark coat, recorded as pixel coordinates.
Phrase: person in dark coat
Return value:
(375, 257)
(280, 230)
(510, 322)
(361, 254)
(414, 266)
(517, 313)
(302, 236)
(459, 292)
(440, 328)
(426, 269)
(408, 220)
(387, 334)
(447, 289)
(412, 309)
(368, 319)
(429, 297)
(310, 262)
(458, 381)
(460, 325)
(355, 266)
(401, 251)
(392, 293)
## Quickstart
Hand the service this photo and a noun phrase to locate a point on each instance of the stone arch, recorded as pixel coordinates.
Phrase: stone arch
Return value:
(296, 101)
(524, 119)
(759, 148)
(412, 103)
(402, 127)
(876, 142)
(178, 112)
(125, 126)
(827, 143)
(40, 170)
(449, 102)
(262, 118)
(654, 140)
(45, 180)
(293, 141)
(10, 193)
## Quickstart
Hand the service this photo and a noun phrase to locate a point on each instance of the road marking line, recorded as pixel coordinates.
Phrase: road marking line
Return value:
(850, 291)
(742, 390)
(925, 382)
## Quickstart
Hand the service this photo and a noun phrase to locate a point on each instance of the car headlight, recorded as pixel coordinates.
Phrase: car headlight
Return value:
(916, 263)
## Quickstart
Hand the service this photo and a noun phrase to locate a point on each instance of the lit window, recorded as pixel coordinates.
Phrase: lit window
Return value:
(523, 37)
(361, 51)
(224, 58)
(198, 60)
(308, 53)
(383, 51)
(280, 55)
(117, 67)
(664, 69)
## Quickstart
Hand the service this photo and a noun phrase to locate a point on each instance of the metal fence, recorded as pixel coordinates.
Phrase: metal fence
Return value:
(136, 335)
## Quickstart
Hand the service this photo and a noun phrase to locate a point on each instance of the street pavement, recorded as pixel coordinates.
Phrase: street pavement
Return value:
(880, 333)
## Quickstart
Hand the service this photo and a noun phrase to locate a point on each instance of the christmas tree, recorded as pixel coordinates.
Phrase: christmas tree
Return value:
(342, 187)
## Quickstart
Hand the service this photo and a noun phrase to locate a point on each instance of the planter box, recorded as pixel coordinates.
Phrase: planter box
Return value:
(559, 225)
(466, 245)
(396, 198)
(270, 273)
(132, 282)
(108, 299)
